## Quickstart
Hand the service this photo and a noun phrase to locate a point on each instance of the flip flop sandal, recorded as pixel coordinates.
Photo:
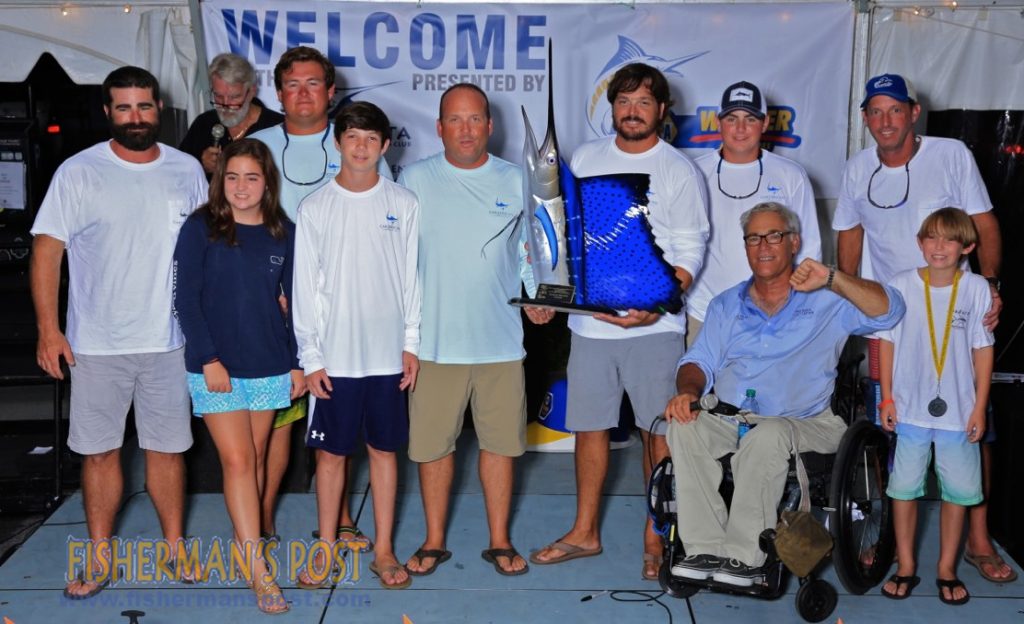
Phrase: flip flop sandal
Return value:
(491, 556)
(98, 587)
(951, 584)
(980, 561)
(650, 559)
(305, 581)
(910, 582)
(439, 557)
(392, 570)
(356, 536)
(571, 551)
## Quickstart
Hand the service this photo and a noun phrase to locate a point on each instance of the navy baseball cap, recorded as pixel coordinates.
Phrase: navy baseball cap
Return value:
(893, 85)
(743, 96)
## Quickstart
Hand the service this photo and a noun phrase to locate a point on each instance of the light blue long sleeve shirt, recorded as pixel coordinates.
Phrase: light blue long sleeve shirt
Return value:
(789, 358)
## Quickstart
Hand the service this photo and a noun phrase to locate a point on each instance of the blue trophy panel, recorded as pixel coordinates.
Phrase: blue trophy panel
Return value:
(622, 267)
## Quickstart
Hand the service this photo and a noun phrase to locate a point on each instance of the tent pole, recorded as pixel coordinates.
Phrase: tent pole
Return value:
(202, 62)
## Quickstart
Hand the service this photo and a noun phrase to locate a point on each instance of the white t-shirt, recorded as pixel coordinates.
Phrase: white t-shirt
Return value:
(784, 182)
(678, 217)
(119, 222)
(305, 162)
(942, 173)
(356, 295)
(914, 378)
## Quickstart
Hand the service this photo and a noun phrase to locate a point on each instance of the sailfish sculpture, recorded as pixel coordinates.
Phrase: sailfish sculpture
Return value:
(545, 204)
(591, 245)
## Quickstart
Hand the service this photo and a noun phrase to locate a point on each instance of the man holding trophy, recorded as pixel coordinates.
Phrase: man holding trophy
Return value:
(632, 350)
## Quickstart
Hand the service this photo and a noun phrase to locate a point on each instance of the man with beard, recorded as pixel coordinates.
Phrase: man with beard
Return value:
(117, 207)
(637, 351)
(235, 108)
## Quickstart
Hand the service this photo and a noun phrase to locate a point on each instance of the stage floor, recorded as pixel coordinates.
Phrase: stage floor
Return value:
(465, 589)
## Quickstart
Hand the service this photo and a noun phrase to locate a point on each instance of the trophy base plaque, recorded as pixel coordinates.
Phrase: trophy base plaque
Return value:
(560, 298)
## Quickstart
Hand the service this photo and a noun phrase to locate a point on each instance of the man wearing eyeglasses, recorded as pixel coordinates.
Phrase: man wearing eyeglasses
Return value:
(307, 157)
(236, 109)
(780, 333)
(739, 175)
(886, 192)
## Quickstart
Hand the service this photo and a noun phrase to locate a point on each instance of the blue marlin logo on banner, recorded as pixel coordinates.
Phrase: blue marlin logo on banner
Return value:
(599, 111)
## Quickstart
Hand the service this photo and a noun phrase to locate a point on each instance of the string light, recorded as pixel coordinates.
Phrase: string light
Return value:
(127, 8)
(65, 10)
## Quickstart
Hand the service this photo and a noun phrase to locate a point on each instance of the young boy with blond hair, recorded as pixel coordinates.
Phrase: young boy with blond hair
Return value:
(936, 369)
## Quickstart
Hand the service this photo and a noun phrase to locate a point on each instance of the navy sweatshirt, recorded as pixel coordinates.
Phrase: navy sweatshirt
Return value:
(226, 299)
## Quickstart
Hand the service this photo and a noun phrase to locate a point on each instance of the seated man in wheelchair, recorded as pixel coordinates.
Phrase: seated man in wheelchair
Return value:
(780, 334)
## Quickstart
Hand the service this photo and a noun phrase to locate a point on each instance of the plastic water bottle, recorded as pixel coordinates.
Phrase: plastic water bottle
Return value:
(749, 405)
(750, 402)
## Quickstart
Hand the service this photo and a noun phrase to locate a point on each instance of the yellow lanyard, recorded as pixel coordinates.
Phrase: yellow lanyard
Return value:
(937, 358)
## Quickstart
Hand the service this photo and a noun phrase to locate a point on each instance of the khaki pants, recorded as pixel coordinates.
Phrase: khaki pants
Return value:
(759, 470)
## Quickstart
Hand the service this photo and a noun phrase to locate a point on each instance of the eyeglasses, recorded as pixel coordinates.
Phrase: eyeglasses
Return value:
(760, 174)
(284, 168)
(906, 193)
(226, 107)
(772, 238)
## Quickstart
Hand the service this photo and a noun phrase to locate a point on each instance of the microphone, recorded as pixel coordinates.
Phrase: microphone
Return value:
(710, 403)
(217, 132)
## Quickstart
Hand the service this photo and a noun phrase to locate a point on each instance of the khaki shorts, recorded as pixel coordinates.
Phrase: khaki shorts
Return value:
(104, 386)
(496, 394)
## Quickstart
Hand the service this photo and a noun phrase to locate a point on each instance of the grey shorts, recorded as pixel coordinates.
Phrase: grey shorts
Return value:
(599, 370)
(104, 386)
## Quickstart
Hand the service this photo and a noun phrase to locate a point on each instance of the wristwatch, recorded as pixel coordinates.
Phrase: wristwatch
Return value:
(994, 281)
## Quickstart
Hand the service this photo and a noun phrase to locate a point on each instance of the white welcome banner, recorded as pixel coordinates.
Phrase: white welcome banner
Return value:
(401, 56)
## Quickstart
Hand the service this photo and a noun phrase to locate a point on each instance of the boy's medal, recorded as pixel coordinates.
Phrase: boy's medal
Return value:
(937, 406)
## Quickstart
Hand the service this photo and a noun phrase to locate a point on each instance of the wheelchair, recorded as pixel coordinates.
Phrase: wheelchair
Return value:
(848, 486)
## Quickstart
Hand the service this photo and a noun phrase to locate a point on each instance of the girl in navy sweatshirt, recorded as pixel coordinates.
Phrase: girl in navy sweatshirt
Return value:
(232, 265)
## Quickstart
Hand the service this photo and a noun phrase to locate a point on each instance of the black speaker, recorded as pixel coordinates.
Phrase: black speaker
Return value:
(996, 138)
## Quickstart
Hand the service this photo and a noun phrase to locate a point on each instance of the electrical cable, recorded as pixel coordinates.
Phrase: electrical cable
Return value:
(629, 595)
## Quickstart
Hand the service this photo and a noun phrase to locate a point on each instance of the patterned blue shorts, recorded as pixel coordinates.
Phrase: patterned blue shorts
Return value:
(260, 393)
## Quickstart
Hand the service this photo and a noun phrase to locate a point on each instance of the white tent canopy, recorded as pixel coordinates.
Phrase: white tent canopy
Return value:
(91, 38)
(968, 54)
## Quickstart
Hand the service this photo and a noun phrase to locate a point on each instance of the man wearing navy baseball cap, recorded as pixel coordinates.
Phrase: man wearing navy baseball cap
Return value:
(740, 175)
(886, 192)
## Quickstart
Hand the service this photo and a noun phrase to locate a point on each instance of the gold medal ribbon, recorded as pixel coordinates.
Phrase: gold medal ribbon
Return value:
(937, 358)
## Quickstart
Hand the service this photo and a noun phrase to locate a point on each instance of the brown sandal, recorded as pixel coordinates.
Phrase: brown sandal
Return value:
(980, 561)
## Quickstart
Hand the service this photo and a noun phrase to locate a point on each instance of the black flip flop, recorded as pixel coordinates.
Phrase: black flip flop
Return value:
(910, 581)
(439, 557)
(491, 556)
(952, 584)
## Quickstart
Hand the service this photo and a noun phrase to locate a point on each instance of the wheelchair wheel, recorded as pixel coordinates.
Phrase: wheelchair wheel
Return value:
(673, 586)
(816, 600)
(861, 515)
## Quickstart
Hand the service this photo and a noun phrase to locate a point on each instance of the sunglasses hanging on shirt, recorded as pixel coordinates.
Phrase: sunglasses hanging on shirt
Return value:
(284, 150)
(760, 174)
(906, 169)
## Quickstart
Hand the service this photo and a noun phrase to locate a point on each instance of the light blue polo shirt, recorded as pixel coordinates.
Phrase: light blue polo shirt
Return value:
(472, 260)
(789, 358)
